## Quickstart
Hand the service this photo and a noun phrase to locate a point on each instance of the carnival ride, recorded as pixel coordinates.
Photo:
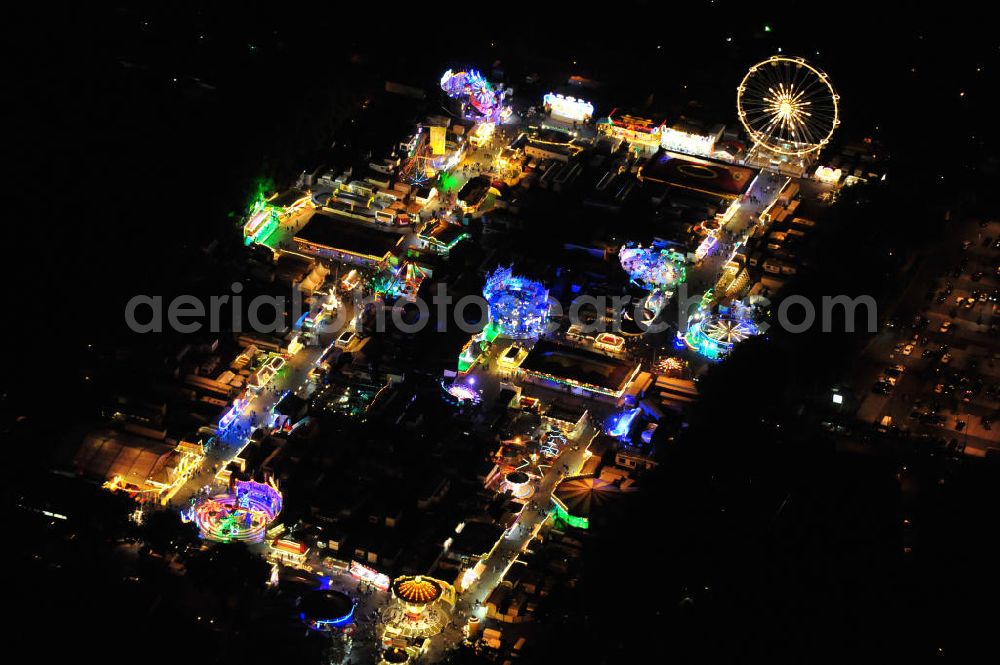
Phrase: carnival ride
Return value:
(577, 498)
(519, 484)
(240, 515)
(652, 268)
(570, 108)
(518, 306)
(481, 101)
(714, 332)
(402, 282)
(552, 442)
(656, 270)
(422, 164)
(461, 393)
(327, 609)
(618, 425)
(787, 106)
(420, 608)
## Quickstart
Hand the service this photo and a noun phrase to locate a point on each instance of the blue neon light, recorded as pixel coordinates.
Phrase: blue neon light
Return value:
(321, 624)
(517, 305)
(620, 424)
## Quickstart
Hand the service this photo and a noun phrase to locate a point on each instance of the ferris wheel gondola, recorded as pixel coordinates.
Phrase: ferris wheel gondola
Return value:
(787, 106)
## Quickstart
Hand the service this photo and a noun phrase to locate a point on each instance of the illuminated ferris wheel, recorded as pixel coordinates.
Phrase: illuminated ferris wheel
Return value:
(788, 106)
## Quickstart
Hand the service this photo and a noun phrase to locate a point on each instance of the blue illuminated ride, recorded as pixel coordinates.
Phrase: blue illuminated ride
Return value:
(484, 103)
(327, 609)
(714, 333)
(619, 424)
(518, 306)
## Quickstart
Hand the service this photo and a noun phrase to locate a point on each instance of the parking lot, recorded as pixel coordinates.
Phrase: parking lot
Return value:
(934, 372)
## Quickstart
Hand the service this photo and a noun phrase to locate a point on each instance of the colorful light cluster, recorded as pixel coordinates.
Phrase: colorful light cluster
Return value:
(420, 610)
(517, 305)
(636, 130)
(472, 87)
(462, 393)
(687, 142)
(242, 515)
(370, 576)
(714, 335)
(570, 108)
(263, 217)
(260, 225)
(429, 153)
(416, 590)
(620, 424)
(652, 268)
(482, 133)
(240, 405)
(402, 282)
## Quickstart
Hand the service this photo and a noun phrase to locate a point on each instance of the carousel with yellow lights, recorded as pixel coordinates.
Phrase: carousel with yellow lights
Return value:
(421, 607)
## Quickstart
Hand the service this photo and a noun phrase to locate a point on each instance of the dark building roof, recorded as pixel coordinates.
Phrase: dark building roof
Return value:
(579, 365)
(476, 539)
(475, 190)
(727, 181)
(291, 405)
(109, 453)
(582, 496)
(444, 233)
(326, 231)
(286, 198)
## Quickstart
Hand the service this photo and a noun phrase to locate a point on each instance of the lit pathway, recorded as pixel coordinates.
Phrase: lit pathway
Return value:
(513, 541)
(292, 377)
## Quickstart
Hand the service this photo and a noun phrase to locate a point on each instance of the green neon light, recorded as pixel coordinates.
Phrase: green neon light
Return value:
(472, 351)
(457, 240)
(467, 358)
(265, 230)
(574, 384)
(571, 520)
(491, 331)
(448, 182)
